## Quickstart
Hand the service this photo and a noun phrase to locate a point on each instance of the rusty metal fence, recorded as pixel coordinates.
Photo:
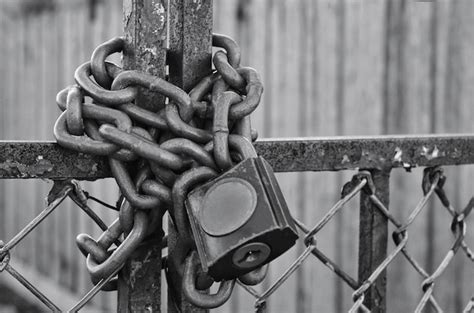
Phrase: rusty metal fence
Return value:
(373, 157)
(371, 184)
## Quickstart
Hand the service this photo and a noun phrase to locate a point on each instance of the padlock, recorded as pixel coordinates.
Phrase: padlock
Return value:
(240, 220)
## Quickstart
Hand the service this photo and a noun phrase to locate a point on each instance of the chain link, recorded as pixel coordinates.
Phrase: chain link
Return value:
(188, 142)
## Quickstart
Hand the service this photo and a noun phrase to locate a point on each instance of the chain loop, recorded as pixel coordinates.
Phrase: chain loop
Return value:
(200, 299)
(118, 257)
(192, 138)
(228, 73)
(100, 94)
(98, 64)
(220, 128)
(231, 47)
(74, 100)
(127, 187)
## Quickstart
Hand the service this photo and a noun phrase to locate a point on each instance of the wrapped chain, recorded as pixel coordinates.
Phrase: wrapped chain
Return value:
(188, 142)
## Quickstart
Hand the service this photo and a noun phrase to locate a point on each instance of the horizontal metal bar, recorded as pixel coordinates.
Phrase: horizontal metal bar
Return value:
(23, 159)
(372, 152)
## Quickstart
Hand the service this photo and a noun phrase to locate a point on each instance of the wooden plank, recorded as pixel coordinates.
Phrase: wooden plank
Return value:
(21, 113)
(463, 274)
(307, 276)
(88, 33)
(452, 114)
(321, 109)
(58, 41)
(411, 64)
(4, 50)
(283, 121)
(79, 54)
(341, 53)
(8, 223)
(226, 18)
(43, 235)
(361, 91)
(35, 121)
(395, 85)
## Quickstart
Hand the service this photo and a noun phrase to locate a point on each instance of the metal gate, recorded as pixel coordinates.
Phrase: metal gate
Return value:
(374, 157)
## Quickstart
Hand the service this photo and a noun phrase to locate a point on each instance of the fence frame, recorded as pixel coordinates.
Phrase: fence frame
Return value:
(189, 56)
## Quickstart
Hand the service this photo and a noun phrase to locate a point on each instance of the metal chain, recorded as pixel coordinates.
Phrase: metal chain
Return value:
(188, 142)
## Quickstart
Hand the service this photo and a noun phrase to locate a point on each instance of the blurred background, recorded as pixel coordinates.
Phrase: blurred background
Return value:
(345, 67)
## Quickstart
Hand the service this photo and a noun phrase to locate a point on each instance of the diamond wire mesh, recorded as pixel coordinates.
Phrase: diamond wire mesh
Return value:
(432, 184)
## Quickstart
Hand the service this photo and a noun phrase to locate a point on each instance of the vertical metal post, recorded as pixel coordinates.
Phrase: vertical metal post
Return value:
(373, 236)
(189, 60)
(145, 31)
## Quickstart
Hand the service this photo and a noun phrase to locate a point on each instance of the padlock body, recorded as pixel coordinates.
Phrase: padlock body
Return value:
(240, 220)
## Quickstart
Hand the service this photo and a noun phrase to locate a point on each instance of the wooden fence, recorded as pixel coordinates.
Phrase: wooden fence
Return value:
(353, 67)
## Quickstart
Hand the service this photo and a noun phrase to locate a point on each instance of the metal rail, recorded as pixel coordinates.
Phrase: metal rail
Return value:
(22, 159)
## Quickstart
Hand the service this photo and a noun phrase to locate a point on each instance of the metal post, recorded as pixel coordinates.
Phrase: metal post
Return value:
(145, 32)
(373, 235)
(189, 60)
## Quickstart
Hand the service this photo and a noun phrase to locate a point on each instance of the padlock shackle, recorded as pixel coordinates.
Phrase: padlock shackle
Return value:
(243, 146)
(197, 298)
(179, 193)
(243, 127)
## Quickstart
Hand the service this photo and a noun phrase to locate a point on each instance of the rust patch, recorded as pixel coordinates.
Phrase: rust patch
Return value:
(16, 169)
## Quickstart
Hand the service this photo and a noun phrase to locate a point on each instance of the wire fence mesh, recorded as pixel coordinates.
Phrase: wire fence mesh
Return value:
(433, 183)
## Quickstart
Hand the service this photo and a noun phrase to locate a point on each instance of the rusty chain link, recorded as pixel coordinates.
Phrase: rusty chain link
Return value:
(188, 142)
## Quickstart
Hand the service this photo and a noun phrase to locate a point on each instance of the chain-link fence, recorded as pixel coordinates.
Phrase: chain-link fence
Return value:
(432, 186)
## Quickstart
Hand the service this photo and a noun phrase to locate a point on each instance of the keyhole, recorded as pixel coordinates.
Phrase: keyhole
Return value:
(251, 255)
